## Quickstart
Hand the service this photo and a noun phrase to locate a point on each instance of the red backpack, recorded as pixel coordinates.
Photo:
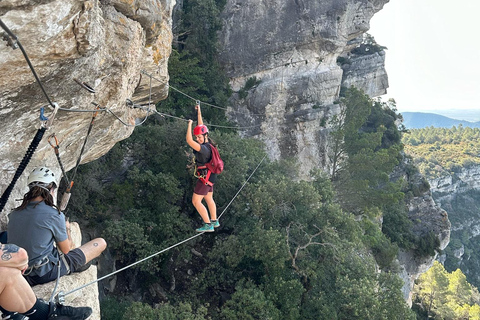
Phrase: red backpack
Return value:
(215, 165)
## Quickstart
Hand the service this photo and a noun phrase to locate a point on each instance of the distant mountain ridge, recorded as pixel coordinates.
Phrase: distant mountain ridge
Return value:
(418, 120)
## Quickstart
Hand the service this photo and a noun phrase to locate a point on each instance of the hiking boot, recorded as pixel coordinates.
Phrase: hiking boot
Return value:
(61, 312)
(215, 223)
(207, 227)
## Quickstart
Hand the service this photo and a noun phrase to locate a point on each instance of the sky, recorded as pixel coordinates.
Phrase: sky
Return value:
(433, 56)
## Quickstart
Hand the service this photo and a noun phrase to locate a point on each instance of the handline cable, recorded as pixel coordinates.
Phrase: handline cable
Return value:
(183, 119)
(190, 97)
(23, 164)
(61, 295)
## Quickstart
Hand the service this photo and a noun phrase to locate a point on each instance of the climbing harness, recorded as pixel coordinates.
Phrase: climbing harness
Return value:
(203, 174)
(60, 298)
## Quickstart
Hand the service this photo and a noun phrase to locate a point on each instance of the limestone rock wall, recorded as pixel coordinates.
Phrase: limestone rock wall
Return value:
(105, 45)
(291, 48)
(459, 194)
(296, 55)
(427, 217)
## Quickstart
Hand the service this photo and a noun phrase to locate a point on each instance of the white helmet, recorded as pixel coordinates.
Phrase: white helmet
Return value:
(42, 176)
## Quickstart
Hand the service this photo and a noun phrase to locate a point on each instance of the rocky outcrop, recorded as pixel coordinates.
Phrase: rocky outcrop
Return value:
(288, 61)
(103, 45)
(291, 48)
(366, 72)
(427, 219)
(459, 193)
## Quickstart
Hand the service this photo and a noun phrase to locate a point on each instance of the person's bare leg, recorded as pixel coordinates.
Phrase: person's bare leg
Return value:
(212, 207)
(16, 295)
(93, 248)
(197, 203)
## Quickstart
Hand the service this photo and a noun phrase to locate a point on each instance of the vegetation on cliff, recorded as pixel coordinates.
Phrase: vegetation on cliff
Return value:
(442, 295)
(285, 249)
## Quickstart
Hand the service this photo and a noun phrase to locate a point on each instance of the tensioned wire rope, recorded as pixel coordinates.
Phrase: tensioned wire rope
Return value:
(188, 96)
(183, 119)
(61, 296)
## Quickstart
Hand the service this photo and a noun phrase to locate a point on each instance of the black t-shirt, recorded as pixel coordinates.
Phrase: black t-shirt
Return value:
(202, 157)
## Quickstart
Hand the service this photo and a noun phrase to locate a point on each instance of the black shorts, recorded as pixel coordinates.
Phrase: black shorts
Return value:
(202, 189)
(75, 260)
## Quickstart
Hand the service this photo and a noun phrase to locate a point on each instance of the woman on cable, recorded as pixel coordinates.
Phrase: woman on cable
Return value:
(39, 227)
(204, 186)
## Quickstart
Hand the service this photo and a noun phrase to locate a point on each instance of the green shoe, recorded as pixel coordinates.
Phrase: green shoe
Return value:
(207, 227)
(215, 223)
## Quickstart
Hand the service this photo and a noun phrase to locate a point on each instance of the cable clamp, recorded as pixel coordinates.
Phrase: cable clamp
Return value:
(10, 41)
(130, 103)
(49, 121)
(60, 297)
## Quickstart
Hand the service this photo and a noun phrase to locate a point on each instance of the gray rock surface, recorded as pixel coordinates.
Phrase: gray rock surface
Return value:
(105, 44)
(291, 47)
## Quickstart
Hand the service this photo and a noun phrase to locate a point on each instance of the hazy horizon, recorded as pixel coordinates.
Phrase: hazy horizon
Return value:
(470, 115)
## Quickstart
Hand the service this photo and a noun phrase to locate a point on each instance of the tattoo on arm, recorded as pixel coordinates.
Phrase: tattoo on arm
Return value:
(7, 250)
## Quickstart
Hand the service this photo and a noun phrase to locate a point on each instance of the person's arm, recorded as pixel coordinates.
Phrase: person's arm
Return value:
(13, 256)
(192, 143)
(199, 115)
(66, 245)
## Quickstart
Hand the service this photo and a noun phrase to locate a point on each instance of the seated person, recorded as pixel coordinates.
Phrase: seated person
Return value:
(17, 300)
(41, 229)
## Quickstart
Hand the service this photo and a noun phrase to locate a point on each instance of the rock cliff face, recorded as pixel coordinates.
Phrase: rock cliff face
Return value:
(427, 218)
(459, 194)
(103, 44)
(291, 48)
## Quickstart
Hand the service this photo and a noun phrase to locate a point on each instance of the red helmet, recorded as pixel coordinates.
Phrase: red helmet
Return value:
(200, 129)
